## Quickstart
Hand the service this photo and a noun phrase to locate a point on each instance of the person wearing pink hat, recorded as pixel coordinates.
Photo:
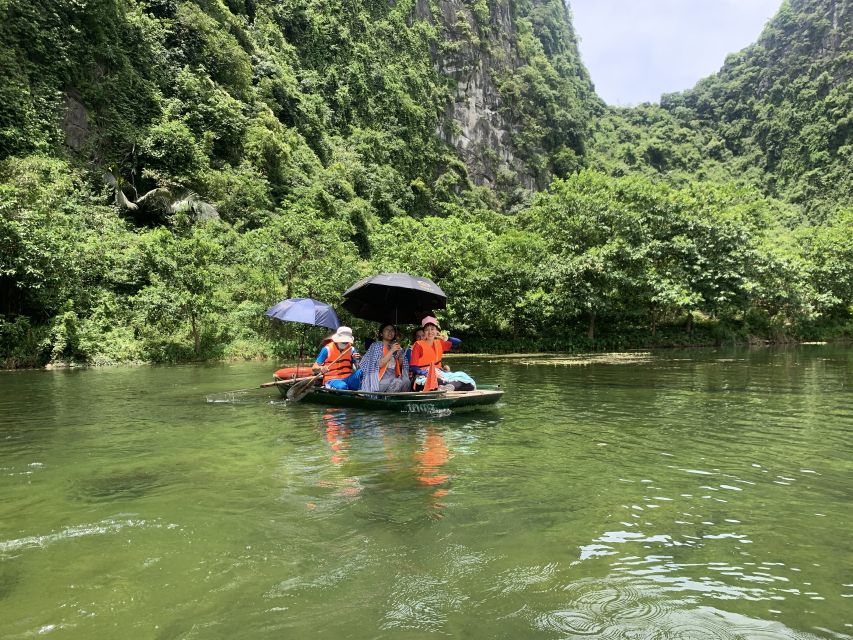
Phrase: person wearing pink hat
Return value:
(426, 355)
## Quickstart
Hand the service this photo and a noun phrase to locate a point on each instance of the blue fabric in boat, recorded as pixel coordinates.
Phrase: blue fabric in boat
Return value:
(456, 376)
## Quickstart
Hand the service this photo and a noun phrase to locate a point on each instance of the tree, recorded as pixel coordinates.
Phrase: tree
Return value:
(184, 293)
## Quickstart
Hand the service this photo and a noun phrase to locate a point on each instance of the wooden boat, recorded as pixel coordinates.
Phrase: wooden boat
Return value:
(407, 402)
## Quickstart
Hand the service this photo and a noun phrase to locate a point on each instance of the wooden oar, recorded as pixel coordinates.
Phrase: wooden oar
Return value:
(280, 382)
(303, 388)
(232, 396)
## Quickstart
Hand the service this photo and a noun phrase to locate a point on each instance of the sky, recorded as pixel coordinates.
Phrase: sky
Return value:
(635, 50)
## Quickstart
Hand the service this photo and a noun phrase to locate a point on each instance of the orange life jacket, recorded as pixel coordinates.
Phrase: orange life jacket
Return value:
(340, 369)
(430, 358)
(397, 366)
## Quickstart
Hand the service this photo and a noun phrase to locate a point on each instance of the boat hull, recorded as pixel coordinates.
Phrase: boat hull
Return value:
(406, 402)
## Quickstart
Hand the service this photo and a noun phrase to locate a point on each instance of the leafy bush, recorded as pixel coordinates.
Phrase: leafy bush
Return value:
(318, 134)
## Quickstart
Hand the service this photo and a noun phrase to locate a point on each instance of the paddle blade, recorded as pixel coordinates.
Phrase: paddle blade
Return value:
(301, 389)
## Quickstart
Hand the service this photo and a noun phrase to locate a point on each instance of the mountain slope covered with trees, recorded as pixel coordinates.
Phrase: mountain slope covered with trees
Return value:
(171, 168)
(776, 116)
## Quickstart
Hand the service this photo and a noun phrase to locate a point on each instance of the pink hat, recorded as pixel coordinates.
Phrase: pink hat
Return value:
(430, 320)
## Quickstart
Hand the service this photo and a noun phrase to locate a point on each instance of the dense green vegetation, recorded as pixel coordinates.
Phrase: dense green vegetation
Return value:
(776, 116)
(170, 168)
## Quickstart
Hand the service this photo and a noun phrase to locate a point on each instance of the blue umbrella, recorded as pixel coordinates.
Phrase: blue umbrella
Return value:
(306, 311)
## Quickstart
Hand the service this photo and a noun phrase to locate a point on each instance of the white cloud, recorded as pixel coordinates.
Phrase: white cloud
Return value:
(636, 50)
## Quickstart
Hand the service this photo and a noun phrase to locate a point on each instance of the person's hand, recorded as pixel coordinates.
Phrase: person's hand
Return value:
(324, 369)
(395, 348)
(446, 367)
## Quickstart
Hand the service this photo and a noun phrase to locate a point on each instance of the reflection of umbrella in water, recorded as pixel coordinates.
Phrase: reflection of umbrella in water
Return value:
(305, 311)
(394, 297)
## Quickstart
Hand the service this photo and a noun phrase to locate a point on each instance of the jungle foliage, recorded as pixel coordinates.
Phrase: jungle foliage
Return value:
(777, 116)
(311, 130)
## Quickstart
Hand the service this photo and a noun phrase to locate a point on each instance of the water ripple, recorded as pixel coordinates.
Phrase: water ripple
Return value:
(621, 609)
(422, 603)
(101, 528)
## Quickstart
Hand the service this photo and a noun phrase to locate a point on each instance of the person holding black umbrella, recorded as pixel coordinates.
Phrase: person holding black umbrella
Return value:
(385, 369)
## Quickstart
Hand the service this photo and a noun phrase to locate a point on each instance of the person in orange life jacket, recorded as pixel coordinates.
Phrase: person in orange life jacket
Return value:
(419, 334)
(383, 365)
(338, 362)
(425, 360)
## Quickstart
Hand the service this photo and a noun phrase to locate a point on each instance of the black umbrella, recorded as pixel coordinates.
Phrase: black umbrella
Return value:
(394, 297)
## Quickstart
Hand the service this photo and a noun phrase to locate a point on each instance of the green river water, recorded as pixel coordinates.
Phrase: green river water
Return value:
(678, 494)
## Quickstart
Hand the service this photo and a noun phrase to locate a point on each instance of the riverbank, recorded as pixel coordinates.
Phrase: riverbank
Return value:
(667, 337)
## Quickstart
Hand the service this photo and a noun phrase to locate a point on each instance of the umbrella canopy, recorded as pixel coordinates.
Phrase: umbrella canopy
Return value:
(394, 297)
(306, 311)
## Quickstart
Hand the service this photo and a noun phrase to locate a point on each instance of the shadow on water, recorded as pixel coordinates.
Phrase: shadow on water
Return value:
(121, 485)
(10, 577)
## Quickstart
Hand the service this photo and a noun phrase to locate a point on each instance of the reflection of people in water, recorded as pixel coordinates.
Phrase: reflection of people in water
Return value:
(387, 458)
(430, 459)
(336, 435)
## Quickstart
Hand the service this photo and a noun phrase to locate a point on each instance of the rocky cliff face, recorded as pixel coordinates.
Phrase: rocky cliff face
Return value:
(502, 88)
(427, 93)
(781, 106)
(496, 56)
(475, 124)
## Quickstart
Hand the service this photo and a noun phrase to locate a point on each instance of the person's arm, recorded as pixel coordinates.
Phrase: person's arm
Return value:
(385, 359)
(317, 366)
(450, 343)
(447, 345)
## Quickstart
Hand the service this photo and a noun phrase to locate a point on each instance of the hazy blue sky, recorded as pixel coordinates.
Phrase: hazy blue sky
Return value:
(636, 50)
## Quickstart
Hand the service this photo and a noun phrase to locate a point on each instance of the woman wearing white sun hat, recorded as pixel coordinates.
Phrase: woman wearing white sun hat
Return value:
(338, 362)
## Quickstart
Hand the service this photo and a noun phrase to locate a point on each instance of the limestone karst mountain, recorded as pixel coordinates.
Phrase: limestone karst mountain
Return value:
(266, 148)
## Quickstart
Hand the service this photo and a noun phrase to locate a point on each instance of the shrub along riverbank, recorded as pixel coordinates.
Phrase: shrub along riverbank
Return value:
(171, 168)
(593, 263)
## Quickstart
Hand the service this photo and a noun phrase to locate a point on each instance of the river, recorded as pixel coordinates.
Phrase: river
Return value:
(673, 494)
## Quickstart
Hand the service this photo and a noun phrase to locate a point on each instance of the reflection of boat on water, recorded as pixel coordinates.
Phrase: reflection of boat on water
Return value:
(410, 402)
